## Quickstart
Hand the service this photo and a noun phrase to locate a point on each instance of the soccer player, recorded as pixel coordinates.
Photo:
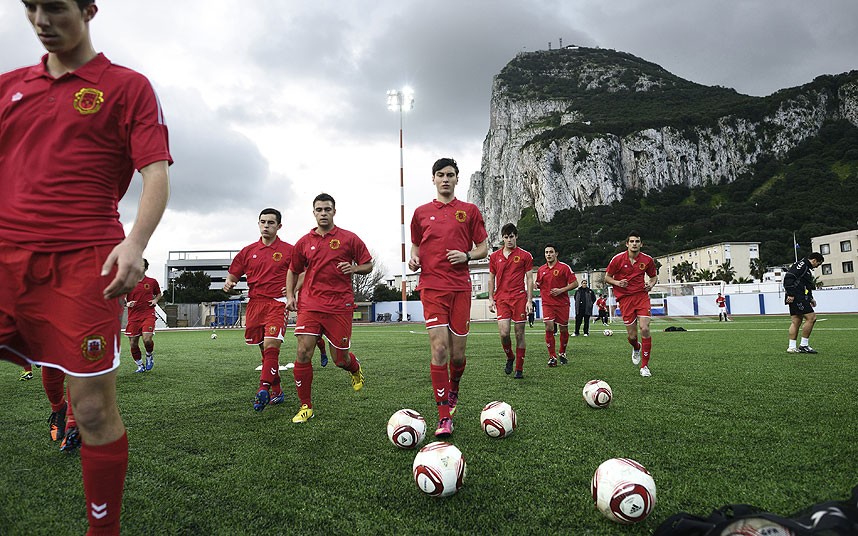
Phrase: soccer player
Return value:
(511, 295)
(141, 302)
(266, 263)
(721, 302)
(74, 128)
(555, 279)
(329, 255)
(446, 235)
(798, 287)
(602, 305)
(628, 272)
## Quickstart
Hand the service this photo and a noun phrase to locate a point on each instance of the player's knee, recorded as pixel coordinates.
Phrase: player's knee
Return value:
(93, 413)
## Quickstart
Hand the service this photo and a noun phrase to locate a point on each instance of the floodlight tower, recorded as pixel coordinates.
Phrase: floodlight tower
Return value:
(401, 100)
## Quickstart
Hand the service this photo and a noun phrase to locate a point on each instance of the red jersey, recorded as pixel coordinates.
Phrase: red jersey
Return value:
(721, 301)
(621, 267)
(326, 288)
(437, 227)
(143, 293)
(557, 276)
(602, 303)
(510, 272)
(265, 266)
(70, 146)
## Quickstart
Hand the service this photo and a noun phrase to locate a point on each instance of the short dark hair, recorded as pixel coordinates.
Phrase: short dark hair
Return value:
(509, 229)
(441, 163)
(818, 256)
(325, 197)
(550, 246)
(633, 233)
(81, 4)
(145, 265)
(272, 211)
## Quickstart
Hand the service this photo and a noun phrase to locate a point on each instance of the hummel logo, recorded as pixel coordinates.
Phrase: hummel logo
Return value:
(434, 319)
(297, 383)
(17, 96)
(98, 510)
(274, 371)
(440, 392)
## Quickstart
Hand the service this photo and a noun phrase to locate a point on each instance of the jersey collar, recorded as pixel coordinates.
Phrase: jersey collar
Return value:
(91, 72)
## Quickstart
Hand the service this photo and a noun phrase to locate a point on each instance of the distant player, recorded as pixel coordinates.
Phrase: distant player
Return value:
(602, 305)
(633, 274)
(27, 373)
(511, 295)
(266, 263)
(141, 302)
(330, 256)
(73, 129)
(721, 302)
(555, 279)
(446, 234)
(798, 286)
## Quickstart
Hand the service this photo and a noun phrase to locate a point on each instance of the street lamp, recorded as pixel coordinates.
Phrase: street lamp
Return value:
(401, 100)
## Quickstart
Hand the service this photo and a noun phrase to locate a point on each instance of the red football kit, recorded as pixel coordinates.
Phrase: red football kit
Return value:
(634, 298)
(721, 301)
(510, 292)
(560, 275)
(141, 317)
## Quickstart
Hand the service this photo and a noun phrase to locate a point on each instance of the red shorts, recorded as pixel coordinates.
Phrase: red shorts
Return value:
(138, 326)
(53, 311)
(336, 327)
(557, 313)
(446, 308)
(634, 306)
(266, 319)
(514, 309)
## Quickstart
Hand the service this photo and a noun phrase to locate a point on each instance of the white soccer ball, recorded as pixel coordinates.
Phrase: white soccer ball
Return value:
(623, 490)
(214, 335)
(439, 469)
(608, 333)
(406, 428)
(498, 419)
(597, 394)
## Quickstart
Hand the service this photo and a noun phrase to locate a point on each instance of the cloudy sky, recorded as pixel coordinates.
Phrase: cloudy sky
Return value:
(270, 102)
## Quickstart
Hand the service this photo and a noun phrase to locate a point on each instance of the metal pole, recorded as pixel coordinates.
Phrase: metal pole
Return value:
(402, 209)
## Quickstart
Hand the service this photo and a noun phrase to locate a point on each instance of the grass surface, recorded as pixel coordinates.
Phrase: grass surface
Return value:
(727, 417)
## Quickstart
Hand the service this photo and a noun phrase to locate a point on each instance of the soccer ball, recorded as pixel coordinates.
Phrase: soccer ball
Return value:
(755, 526)
(608, 333)
(498, 419)
(597, 394)
(439, 469)
(623, 490)
(214, 335)
(406, 428)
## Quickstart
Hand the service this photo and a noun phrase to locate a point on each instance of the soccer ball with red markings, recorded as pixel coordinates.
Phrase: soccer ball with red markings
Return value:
(439, 469)
(597, 394)
(623, 490)
(498, 419)
(406, 428)
(608, 333)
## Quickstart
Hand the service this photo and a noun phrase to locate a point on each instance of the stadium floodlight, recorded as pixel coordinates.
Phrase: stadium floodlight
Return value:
(402, 100)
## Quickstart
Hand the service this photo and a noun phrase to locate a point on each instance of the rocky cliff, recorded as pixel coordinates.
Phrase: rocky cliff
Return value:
(579, 127)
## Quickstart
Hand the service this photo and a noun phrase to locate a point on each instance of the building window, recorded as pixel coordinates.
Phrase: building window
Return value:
(847, 267)
(825, 249)
(826, 269)
(845, 246)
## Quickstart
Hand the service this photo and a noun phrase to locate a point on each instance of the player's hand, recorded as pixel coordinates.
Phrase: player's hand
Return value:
(228, 286)
(789, 299)
(130, 304)
(127, 258)
(283, 292)
(153, 302)
(813, 303)
(623, 283)
(555, 292)
(346, 267)
(414, 264)
(492, 306)
(454, 256)
(528, 308)
(291, 304)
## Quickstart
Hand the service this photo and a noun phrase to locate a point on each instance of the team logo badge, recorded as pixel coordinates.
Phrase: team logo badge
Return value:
(556, 272)
(515, 259)
(93, 347)
(642, 265)
(88, 100)
(272, 330)
(277, 256)
(461, 216)
(146, 286)
(334, 243)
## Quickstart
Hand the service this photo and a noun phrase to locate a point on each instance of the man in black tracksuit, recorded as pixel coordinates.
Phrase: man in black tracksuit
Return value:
(798, 287)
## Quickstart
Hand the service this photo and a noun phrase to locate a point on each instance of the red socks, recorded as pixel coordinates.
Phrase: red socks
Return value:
(346, 360)
(564, 340)
(508, 351)
(135, 354)
(549, 342)
(519, 359)
(634, 343)
(456, 375)
(270, 367)
(646, 347)
(441, 389)
(149, 346)
(303, 373)
(320, 344)
(53, 382)
(104, 468)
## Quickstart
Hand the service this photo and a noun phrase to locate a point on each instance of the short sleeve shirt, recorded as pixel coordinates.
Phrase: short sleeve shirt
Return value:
(265, 266)
(721, 301)
(621, 267)
(510, 272)
(437, 227)
(326, 288)
(143, 293)
(557, 276)
(70, 146)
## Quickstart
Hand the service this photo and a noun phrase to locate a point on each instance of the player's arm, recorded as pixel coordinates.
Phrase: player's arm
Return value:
(414, 261)
(349, 268)
(291, 283)
(528, 284)
(127, 256)
(609, 279)
(155, 299)
(651, 282)
(491, 292)
(230, 283)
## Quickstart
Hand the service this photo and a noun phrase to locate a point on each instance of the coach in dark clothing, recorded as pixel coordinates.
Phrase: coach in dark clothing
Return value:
(798, 295)
(584, 300)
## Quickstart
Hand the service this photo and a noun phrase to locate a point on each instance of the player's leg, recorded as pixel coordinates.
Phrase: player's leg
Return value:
(71, 437)
(26, 373)
(149, 344)
(320, 344)
(646, 344)
(806, 329)
(578, 319)
(271, 367)
(561, 319)
(550, 343)
(586, 321)
(460, 321)
(134, 343)
(506, 343)
(303, 375)
(53, 381)
(338, 328)
(794, 326)
(520, 348)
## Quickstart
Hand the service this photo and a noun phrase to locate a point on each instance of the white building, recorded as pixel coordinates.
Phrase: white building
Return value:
(710, 258)
(841, 255)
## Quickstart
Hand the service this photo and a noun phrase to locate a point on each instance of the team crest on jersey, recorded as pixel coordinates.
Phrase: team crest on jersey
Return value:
(642, 265)
(277, 256)
(88, 100)
(516, 258)
(146, 286)
(334, 243)
(93, 347)
(272, 330)
(461, 216)
(556, 272)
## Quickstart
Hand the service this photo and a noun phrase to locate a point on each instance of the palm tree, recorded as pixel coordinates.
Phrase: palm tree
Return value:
(725, 272)
(683, 271)
(704, 275)
(758, 269)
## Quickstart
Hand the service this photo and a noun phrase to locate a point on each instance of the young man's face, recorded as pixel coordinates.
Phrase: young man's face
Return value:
(550, 255)
(324, 212)
(59, 24)
(445, 180)
(268, 226)
(814, 263)
(509, 241)
(634, 243)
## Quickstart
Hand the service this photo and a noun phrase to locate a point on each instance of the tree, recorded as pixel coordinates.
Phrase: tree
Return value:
(193, 287)
(364, 285)
(683, 271)
(744, 280)
(383, 293)
(704, 275)
(725, 272)
(758, 269)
